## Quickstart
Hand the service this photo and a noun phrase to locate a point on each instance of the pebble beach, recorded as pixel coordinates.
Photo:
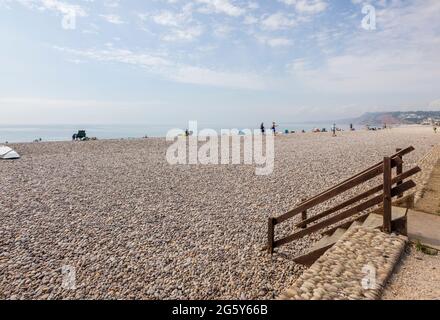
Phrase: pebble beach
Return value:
(133, 226)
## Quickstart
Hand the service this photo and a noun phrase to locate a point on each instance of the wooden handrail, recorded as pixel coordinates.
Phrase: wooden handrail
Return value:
(350, 183)
(387, 193)
(346, 214)
(331, 193)
(398, 179)
(399, 154)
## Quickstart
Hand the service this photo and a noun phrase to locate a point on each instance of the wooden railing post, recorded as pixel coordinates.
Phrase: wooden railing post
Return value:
(386, 168)
(387, 177)
(271, 235)
(399, 170)
(304, 216)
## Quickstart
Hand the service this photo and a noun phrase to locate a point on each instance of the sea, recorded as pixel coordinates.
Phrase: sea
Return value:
(30, 133)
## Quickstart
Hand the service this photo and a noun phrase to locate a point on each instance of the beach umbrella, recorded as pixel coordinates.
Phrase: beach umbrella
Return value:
(7, 153)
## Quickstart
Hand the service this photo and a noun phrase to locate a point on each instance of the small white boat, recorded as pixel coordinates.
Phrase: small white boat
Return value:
(7, 153)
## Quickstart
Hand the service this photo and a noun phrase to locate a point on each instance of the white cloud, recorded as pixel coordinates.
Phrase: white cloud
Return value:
(183, 34)
(253, 5)
(221, 30)
(278, 21)
(168, 18)
(275, 41)
(54, 5)
(112, 18)
(49, 110)
(180, 26)
(66, 103)
(205, 76)
(307, 6)
(111, 3)
(118, 55)
(400, 57)
(380, 72)
(297, 66)
(178, 72)
(221, 6)
(250, 20)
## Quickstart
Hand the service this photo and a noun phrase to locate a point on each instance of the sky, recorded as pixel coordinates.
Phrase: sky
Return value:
(217, 61)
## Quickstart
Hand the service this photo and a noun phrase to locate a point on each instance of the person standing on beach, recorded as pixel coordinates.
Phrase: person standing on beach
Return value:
(263, 130)
(435, 129)
(274, 127)
(334, 129)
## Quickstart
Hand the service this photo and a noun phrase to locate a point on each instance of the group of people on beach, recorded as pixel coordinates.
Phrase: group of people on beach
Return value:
(273, 128)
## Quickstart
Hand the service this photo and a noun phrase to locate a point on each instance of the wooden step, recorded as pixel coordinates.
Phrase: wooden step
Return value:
(346, 225)
(329, 240)
(320, 248)
(355, 224)
(373, 221)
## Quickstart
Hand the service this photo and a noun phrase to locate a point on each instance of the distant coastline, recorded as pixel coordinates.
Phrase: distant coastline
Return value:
(396, 118)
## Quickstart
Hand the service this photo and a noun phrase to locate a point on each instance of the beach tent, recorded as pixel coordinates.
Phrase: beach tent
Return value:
(8, 153)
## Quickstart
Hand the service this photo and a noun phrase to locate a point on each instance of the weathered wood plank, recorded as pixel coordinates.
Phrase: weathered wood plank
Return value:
(318, 226)
(303, 218)
(345, 225)
(399, 170)
(340, 206)
(387, 177)
(350, 183)
(344, 215)
(309, 258)
(271, 235)
(357, 198)
(397, 154)
(331, 194)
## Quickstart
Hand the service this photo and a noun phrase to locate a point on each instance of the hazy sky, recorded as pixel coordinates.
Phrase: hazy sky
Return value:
(141, 61)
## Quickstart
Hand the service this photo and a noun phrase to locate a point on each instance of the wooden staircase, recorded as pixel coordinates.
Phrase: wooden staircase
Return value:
(357, 211)
(329, 239)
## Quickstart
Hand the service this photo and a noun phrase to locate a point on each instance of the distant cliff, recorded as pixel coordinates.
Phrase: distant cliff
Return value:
(397, 117)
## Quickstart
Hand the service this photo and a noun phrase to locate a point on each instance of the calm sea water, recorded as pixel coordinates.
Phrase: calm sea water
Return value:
(29, 133)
